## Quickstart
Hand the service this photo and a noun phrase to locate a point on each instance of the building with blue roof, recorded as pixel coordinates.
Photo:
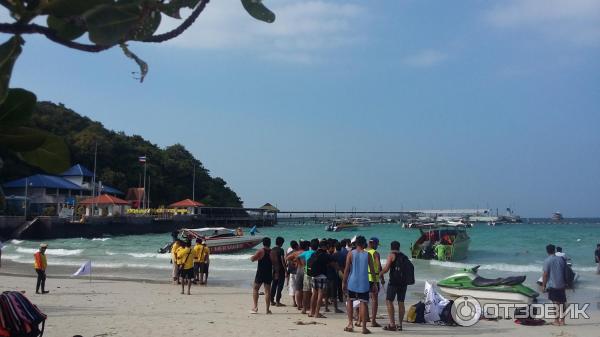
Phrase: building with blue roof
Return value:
(46, 192)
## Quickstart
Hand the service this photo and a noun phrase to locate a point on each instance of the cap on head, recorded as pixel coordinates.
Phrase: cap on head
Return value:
(43, 245)
(374, 240)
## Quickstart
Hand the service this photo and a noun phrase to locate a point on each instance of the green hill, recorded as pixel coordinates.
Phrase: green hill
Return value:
(170, 169)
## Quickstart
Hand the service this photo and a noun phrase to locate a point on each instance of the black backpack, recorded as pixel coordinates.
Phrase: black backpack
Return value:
(446, 315)
(403, 270)
(569, 276)
(311, 261)
(420, 311)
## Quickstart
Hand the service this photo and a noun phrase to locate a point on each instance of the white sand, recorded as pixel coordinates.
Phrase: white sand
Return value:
(127, 308)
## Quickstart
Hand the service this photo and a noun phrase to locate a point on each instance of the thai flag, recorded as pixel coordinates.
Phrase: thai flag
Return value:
(142, 159)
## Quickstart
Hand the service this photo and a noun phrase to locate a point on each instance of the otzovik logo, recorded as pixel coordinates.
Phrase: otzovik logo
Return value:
(466, 310)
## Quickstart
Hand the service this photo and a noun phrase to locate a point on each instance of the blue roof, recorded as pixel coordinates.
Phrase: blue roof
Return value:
(77, 171)
(43, 181)
(111, 190)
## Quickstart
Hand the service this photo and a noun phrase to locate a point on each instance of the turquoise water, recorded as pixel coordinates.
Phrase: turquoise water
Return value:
(502, 250)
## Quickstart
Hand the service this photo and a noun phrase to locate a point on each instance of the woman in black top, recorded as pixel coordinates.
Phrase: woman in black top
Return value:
(264, 274)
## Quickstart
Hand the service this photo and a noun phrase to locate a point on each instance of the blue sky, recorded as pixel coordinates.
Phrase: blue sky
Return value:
(374, 105)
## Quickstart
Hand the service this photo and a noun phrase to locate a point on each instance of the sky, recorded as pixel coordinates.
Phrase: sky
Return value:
(373, 105)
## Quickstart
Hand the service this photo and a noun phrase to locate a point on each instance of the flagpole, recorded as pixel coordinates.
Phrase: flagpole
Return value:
(149, 185)
(94, 179)
(145, 160)
(194, 183)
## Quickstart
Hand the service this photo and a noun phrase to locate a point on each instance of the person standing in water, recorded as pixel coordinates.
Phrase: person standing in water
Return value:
(554, 282)
(40, 263)
(264, 275)
(597, 257)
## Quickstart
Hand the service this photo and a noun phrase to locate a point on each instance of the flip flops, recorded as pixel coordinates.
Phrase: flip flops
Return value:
(390, 328)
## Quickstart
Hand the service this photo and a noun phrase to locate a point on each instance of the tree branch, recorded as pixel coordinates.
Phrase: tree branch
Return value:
(181, 28)
(19, 28)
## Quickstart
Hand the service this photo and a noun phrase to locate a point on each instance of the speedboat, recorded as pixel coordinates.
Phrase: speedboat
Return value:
(348, 224)
(222, 240)
(441, 242)
(506, 290)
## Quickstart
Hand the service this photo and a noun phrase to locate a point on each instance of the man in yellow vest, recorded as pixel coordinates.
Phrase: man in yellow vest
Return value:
(185, 259)
(174, 247)
(40, 264)
(204, 263)
(197, 253)
(374, 279)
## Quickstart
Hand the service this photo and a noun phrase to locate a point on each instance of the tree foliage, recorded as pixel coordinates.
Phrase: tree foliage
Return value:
(170, 169)
(105, 23)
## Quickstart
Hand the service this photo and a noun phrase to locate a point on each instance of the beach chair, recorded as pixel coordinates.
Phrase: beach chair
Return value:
(19, 317)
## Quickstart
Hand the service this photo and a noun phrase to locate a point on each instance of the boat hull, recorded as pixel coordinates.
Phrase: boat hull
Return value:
(233, 244)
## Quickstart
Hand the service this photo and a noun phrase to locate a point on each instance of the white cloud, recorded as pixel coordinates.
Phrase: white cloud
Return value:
(301, 32)
(425, 58)
(577, 21)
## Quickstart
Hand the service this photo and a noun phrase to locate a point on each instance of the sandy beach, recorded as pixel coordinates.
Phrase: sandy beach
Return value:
(141, 308)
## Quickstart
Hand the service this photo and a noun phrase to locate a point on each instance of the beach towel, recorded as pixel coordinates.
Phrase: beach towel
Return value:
(19, 317)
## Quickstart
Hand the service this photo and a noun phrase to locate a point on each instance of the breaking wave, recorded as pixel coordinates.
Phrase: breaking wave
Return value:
(49, 251)
(493, 266)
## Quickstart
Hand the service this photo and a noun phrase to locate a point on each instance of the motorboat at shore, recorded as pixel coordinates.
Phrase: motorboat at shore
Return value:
(339, 225)
(506, 290)
(220, 240)
(443, 242)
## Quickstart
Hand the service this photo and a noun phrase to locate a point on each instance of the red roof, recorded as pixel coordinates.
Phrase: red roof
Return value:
(186, 203)
(104, 199)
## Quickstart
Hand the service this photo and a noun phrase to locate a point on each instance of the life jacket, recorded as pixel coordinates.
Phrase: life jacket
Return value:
(39, 261)
(373, 278)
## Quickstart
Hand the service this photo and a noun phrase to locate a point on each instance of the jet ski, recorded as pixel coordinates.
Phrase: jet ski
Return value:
(574, 276)
(468, 283)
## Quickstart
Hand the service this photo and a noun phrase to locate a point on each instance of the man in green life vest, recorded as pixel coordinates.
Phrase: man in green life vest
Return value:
(440, 251)
(374, 279)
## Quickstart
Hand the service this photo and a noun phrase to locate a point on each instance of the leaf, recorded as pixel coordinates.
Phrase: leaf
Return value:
(9, 51)
(65, 28)
(17, 107)
(52, 156)
(66, 8)
(172, 7)
(258, 11)
(110, 24)
(21, 139)
(148, 26)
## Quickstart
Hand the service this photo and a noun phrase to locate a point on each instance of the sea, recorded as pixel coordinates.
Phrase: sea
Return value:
(510, 249)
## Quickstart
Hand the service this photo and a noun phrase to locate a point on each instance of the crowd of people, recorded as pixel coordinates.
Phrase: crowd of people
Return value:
(323, 273)
(190, 263)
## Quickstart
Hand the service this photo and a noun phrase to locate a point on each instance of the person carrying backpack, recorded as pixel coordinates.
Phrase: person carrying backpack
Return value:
(401, 275)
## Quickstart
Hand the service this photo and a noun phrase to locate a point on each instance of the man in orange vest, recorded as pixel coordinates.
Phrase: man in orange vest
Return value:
(40, 264)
